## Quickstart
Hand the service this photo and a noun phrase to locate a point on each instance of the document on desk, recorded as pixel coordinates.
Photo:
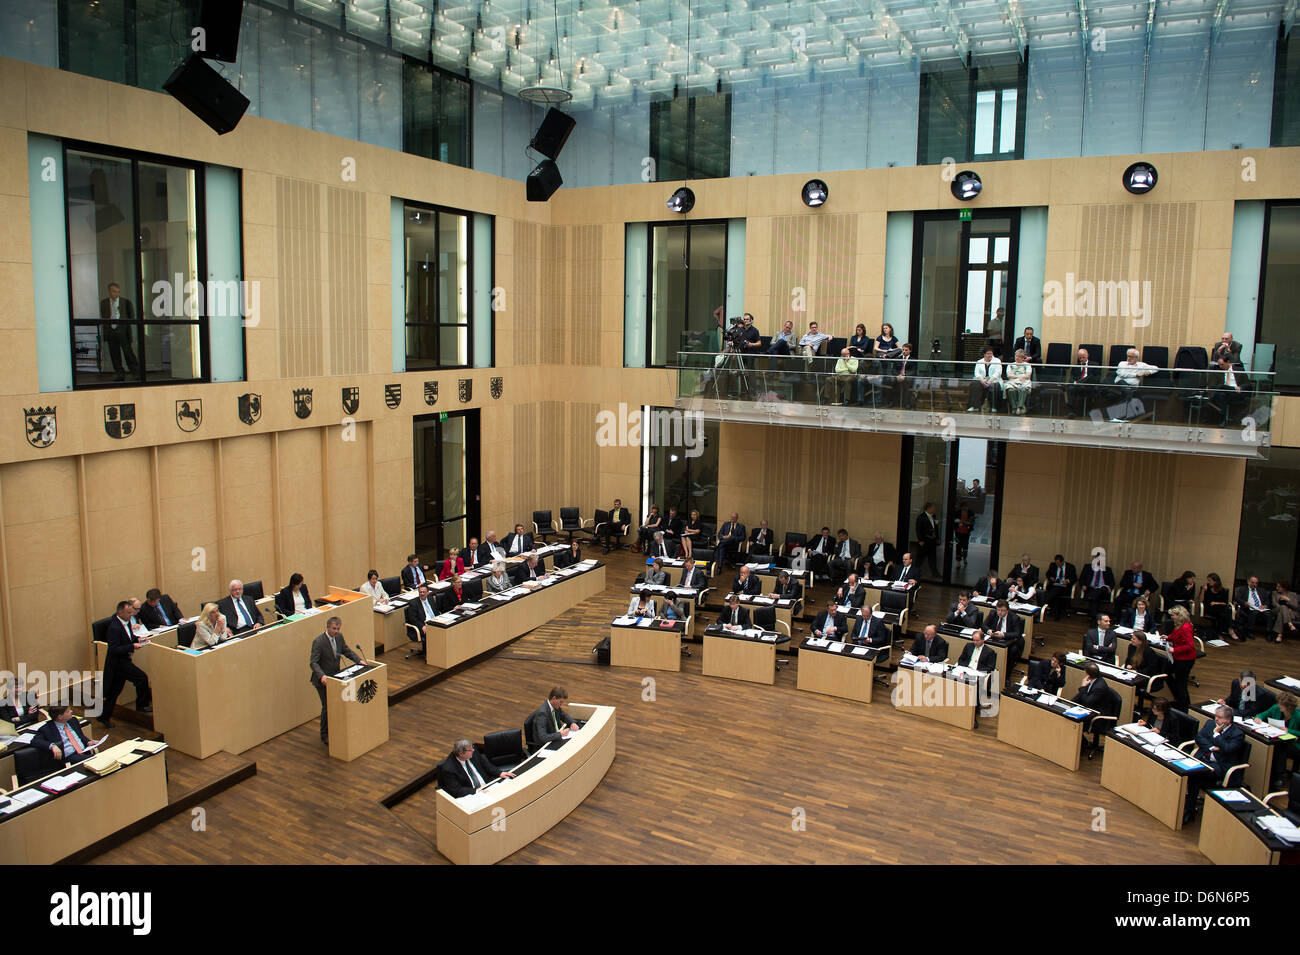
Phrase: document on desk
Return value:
(1047, 699)
(1168, 753)
(589, 562)
(836, 647)
(909, 658)
(1077, 712)
(1290, 682)
(624, 621)
(817, 642)
(446, 619)
(1279, 826)
(1231, 795)
(765, 601)
(859, 651)
(645, 621)
(968, 631)
(28, 797)
(344, 674)
(385, 608)
(60, 783)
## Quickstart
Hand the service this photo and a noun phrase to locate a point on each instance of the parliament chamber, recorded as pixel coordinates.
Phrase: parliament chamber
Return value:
(346, 450)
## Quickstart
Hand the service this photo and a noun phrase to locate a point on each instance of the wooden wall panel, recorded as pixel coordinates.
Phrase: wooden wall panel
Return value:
(1166, 249)
(582, 463)
(347, 519)
(302, 508)
(585, 294)
(345, 241)
(833, 295)
(187, 482)
(524, 300)
(553, 345)
(43, 564)
(119, 520)
(788, 269)
(248, 542)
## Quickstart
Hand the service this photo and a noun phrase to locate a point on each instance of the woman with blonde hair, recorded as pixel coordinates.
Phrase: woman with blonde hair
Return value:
(210, 628)
(1182, 647)
(454, 565)
(1017, 380)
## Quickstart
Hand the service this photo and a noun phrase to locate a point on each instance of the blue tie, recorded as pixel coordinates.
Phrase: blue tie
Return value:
(163, 610)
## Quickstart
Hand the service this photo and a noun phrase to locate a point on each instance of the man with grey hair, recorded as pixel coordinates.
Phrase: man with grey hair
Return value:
(1220, 745)
(240, 612)
(327, 650)
(490, 550)
(660, 548)
(466, 770)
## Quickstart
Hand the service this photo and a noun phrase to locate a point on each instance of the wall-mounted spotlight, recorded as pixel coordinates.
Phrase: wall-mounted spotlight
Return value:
(815, 193)
(683, 201)
(966, 185)
(1140, 178)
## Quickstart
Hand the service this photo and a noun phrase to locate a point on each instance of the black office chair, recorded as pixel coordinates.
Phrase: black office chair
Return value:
(504, 749)
(1158, 355)
(543, 526)
(392, 585)
(793, 539)
(416, 635)
(1292, 792)
(571, 522)
(1058, 353)
(1106, 718)
(764, 618)
(253, 591)
(473, 589)
(893, 601)
(530, 741)
(185, 634)
(1094, 352)
(601, 518)
(1117, 353)
(99, 629)
(33, 762)
(1182, 727)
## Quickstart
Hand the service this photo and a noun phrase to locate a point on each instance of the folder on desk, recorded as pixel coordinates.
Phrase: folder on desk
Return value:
(102, 765)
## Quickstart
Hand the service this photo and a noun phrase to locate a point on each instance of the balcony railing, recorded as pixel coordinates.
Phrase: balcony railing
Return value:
(1184, 410)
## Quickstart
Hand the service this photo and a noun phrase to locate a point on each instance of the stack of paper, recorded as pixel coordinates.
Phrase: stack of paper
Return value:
(59, 783)
(624, 621)
(836, 647)
(1279, 826)
(28, 797)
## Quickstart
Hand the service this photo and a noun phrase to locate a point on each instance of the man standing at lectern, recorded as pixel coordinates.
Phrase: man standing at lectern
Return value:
(325, 653)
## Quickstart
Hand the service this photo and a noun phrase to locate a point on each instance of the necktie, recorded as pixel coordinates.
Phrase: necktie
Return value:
(1060, 574)
(555, 719)
(69, 738)
(1096, 578)
(419, 577)
(735, 616)
(474, 777)
(844, 549)
(1084, 373)
(241, 615)
(163, 610)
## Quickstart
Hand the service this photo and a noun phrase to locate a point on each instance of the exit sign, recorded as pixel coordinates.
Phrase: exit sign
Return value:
(442, 416)
(963, 215)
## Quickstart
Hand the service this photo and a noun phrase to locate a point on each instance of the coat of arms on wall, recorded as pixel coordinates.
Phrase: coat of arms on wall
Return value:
(302, 402)
(250, 408)
(189, 414)
(351, 400)
(119, 420)
(393, 395)
(498, 386)
(466, 389)
(430, 392)
(39, 426)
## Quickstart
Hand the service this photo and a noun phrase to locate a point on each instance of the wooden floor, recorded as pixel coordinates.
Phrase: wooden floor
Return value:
(709, 770)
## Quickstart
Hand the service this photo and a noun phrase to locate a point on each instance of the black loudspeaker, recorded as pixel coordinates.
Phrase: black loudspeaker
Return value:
(219, 20)
(552, 134)
(543, 181)
(207, 95)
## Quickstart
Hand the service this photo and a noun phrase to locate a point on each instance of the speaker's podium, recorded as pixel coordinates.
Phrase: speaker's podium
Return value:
(356, 702)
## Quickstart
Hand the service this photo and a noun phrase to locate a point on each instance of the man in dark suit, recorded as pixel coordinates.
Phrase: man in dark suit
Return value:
(830, 623)
(735, 615)
(1098, 585)
(852, 592)
(1220, 745)
(692, 576)
(905, 571)
(927, 536)
(929, 647)
(1082, 385)
(870, 631)
(528, 569)
(977, 656)
(325, 660)
(818, 552)
(991, 586)
(466, 770)
(788, 588)
(1031, 344)
(1226, 392)
(118, 326)
(550, 723)
(1247, 697)
(241, 613)
(1253, 606)
(1059, 583)
(420, 611)
(518, 542)
(1135, 583)
(746, 583)
(1096, 695)
(672, 527)
(119, 668)
(761, 541)
(661, 547)
(413, 574)
(159, 610)
(1001, 622)
(963, 614)
(1048, 675)
(877, 558)
(491, 549)
(1025, 570)
(1225, 347)
(469, 554)
(730, 536)
(845, 555)
(62, 735)
(1099, 642)
(901, 371)
(620, 519)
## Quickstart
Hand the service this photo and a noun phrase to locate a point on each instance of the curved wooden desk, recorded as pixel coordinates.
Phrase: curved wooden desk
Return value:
(487, 827)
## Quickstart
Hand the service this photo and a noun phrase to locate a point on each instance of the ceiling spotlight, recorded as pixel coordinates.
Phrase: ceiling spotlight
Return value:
(966, 185)
(1140, 178)
(815, 193)
(683, 201)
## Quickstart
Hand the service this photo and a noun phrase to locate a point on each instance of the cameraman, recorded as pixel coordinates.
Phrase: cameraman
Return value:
(749, 338)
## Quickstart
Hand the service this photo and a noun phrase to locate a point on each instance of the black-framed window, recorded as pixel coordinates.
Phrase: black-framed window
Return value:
(690, 137)
(972, 114)
(1268, 544)
(136, 257)
(137, 42)
(439, 254)
(1286, 90)
(436, 113)
(678, 476)
(688, 281)
(445, 454)
(1279, 290)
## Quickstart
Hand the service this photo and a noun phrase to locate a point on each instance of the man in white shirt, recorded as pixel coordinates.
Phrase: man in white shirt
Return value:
(1227, 391)
(846, 375)
(811, 343)
(987, 383)
(1130, 372)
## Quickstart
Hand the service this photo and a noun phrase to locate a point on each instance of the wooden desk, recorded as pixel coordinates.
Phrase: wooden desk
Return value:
(60, 825)
(957, 643)
(1036, 729)
(357, 707)
(935, 696)
(247, 690)
(1127, 691)
(485, 828)
(740, 657)
(1259, 749)
(500, 622)
(390, 629)
(1146, 782)
(1229, 836)
(647, 648)
(783, 610)
(835, 674)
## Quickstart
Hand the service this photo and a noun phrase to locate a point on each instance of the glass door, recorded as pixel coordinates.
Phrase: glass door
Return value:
(446, 459)
(953, 493)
